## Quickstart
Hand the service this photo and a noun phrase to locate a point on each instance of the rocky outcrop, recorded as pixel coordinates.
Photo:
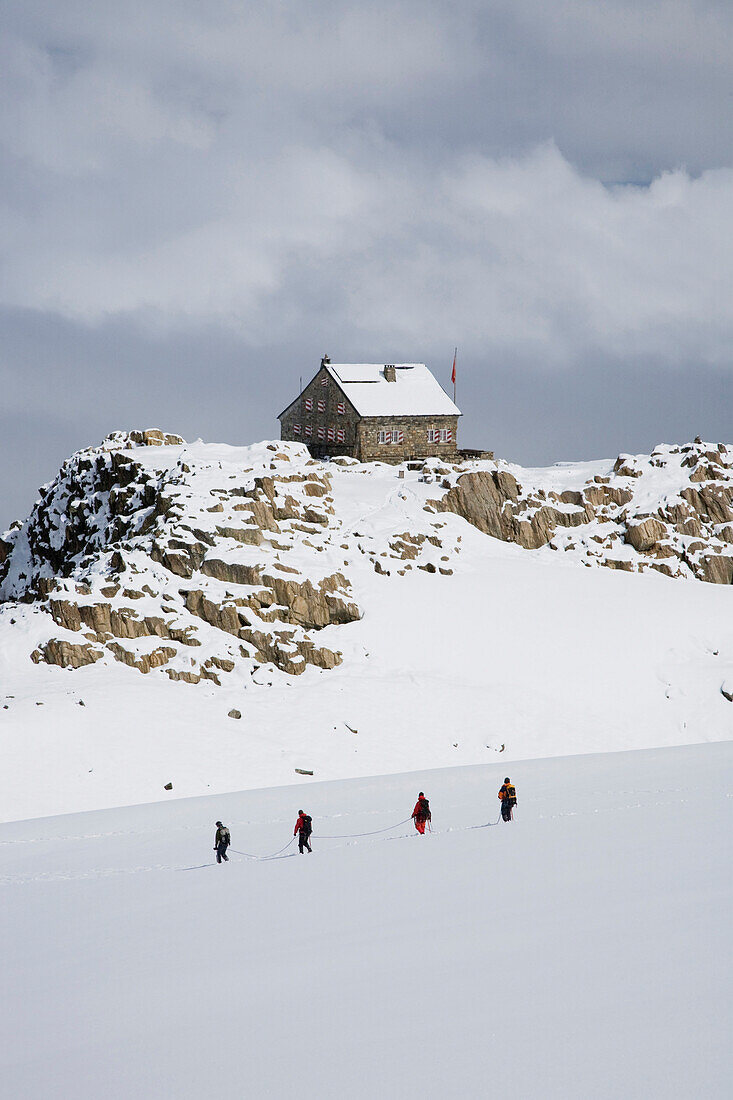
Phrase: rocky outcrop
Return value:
(225, 617)
(485, 499)
(153, 437)
(231, 559)
(143, 662)
(688, 532)
(231, 572)
(289, 654)
(66, 654)
(313, 606)
(490, 500)
(194, 561)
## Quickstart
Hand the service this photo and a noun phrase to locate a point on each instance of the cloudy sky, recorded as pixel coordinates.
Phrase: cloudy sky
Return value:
(197, 200)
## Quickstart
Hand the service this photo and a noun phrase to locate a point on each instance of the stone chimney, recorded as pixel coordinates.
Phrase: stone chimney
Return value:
(389, 372)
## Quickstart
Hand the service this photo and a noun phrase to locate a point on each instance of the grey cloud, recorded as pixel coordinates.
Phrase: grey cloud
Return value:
(198, 200)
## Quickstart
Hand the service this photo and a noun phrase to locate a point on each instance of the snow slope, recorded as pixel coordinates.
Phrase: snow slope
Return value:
(536, 657)
(508, 654)
(582, 951)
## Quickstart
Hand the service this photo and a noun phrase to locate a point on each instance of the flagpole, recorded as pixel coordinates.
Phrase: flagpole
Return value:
(455, 353)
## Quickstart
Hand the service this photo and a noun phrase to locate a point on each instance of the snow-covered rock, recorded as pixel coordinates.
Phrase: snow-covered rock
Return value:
(216, 550)
(357, 623)
(671, 511)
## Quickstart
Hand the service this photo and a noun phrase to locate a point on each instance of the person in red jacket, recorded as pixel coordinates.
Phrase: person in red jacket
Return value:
(303, 829)
(421, 814)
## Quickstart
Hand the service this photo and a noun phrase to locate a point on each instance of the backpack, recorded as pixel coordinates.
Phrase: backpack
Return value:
(511, 794)
(224, 837)
(307, 825)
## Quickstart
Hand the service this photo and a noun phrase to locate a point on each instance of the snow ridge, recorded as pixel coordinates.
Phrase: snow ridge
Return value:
(203, 561)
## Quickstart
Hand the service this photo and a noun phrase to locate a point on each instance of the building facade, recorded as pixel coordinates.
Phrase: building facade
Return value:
(373, 412)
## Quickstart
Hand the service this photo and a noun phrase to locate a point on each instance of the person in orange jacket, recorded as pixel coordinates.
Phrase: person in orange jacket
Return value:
(421, 814)
(303, 829)
(508, 797)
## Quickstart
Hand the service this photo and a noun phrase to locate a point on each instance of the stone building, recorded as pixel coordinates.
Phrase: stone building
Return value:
(389, 412)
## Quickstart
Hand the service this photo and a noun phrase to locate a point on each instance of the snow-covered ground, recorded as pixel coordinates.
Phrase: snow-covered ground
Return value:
(541, 658)
(508, 654)
(582, 951)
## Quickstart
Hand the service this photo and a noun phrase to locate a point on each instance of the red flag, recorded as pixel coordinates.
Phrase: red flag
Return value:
(453, 372)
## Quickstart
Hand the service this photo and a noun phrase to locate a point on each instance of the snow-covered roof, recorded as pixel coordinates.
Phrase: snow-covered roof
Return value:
(415, 392)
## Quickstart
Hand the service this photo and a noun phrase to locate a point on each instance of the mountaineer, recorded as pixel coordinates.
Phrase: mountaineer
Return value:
(421, 813)
(508, 796)
(222, 840)
(303, 829)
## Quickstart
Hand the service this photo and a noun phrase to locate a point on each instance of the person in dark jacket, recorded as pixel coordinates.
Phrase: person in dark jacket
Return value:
(508, 796)
(421, 814)
(303, 829)
(222, 840)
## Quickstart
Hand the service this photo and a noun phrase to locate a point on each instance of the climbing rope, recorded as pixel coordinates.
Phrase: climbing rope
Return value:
(353, 836)
(273, 855)
(348, 836)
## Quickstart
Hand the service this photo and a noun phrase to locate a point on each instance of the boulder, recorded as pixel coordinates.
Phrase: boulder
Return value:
(625, 466)
(225, 617)
(143, 662)
(287, 653)
(66, 654)
(716, 568)
(183, 677)
(645, 534)
(175, 562)
(66, 614)
(485, 498)
(615, 563)
(232, 572)
(250, 536)
(315, 489)
(601, 494)
(537, 531)
(313, 607)
(117, 562)
(222, 663)
(153, 437)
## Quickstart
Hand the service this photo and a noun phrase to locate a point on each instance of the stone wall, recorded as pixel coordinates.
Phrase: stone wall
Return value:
(298, 414)
(415, 438)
